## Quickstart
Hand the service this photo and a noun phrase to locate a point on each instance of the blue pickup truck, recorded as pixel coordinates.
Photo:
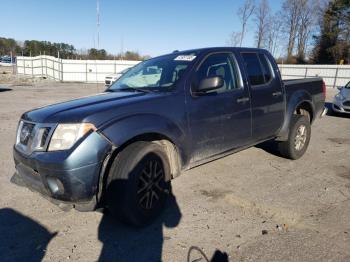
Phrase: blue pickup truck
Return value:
(120, 149)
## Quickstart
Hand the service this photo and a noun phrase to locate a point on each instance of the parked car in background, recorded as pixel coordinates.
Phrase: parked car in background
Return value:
(341, 101)
(110, 79)
(7, 59)
(120, 149)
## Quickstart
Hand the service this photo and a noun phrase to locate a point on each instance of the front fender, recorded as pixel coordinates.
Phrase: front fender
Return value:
(124, 129)
(293, 102)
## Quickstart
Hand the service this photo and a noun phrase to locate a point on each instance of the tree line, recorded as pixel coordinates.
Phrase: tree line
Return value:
(66, 51)
(302, 31)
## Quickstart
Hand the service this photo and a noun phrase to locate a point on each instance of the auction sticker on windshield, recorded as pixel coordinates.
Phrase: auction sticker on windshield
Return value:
(185, 58)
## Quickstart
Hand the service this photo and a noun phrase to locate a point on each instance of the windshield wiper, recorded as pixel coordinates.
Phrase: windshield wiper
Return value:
(130, 89)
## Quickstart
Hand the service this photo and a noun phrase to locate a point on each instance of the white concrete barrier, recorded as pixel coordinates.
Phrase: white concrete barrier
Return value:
(333, 75)
(68, 70)
(95, 70)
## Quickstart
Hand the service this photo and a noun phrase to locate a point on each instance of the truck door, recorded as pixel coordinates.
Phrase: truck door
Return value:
(219, 119)
(266, 95)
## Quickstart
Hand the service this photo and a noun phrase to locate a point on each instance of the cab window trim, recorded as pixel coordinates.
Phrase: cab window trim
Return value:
(234, 61)
(269, 67)
(260, 63)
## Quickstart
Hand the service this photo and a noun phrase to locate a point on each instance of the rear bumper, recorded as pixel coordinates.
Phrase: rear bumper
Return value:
(67, 178)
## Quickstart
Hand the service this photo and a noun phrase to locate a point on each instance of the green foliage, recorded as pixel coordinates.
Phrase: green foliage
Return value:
(333, 44)
(35, 48)
(132, 55)
(66, 51)
(94, 53)
(8, 45)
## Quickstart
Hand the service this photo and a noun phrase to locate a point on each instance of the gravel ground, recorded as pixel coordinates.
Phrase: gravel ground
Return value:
(253, 205)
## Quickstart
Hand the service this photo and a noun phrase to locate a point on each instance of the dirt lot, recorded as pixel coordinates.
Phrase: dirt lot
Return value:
(303, 207)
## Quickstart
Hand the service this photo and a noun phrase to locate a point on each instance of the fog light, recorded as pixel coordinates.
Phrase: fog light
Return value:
(55, 185)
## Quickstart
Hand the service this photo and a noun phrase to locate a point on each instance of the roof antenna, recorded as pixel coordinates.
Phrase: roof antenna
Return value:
(176, 51)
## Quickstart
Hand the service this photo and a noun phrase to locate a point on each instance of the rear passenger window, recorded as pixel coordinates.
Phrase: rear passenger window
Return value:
(253, 68)
(266, 67)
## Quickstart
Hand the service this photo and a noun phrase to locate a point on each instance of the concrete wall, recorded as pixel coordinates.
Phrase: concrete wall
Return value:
(95, 70)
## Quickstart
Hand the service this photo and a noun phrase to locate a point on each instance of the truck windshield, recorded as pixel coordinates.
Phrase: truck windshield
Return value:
(157, 74)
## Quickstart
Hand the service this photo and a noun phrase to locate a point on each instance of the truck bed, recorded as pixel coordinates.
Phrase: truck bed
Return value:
(312, 89)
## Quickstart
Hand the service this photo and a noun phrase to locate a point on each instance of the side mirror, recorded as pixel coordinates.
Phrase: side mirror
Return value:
(339, 88)
(210, 83)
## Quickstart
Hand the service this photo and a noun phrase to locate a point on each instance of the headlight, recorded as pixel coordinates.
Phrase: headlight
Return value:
(339, 96)
(65, 135)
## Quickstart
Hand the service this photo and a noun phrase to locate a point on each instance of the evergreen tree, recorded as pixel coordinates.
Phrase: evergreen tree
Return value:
(333, 44)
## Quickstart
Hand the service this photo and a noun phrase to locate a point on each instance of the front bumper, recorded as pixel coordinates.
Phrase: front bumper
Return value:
(338, 106)
(66, 177)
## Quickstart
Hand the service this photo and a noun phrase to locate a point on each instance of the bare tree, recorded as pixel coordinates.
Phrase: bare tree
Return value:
(307, 20)
(274, 32)
(235, 39)
(244, 13)
(262, 17)
(291, 10)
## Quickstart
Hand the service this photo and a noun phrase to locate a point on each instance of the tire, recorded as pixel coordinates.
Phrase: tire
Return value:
(298, 138)
(138, 183)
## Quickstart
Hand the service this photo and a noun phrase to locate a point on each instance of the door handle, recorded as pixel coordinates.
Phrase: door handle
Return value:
(242, 100)
(277, 93)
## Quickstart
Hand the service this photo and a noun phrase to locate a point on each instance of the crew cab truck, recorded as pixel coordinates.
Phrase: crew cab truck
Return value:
(120, 149)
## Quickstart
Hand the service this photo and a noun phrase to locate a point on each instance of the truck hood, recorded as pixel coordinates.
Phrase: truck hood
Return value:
(95, 109)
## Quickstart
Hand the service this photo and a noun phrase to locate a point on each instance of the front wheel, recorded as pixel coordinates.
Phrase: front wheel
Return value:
(138, 183)
(298, 138)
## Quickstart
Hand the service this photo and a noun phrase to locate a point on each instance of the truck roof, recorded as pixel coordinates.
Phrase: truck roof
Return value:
(215, 49)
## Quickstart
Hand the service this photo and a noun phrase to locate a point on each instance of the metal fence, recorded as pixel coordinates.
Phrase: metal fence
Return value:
(333, 75)
(92, 71)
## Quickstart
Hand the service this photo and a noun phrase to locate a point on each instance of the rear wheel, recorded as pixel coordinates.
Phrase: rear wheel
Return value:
(298, 139)
(138, 183)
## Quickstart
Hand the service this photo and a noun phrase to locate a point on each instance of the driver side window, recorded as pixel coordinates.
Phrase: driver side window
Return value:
(218, 65)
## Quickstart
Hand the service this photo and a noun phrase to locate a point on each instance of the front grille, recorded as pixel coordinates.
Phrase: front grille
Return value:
(346, 103)
(33, 136)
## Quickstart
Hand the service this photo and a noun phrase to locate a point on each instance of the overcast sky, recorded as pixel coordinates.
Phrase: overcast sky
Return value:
(151, 27)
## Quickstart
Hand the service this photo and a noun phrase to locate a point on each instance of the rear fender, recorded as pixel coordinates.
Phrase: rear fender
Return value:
(293, 103)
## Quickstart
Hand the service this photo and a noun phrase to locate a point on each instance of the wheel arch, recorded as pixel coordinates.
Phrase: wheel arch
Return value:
(305, 108)
(299, 104)
(173, 152)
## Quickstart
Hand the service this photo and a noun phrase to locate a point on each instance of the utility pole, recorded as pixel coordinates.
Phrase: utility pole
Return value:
(98, 23)
(122, 48)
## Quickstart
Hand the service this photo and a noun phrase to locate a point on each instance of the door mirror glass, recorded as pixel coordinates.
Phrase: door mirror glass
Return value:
(209, 84)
